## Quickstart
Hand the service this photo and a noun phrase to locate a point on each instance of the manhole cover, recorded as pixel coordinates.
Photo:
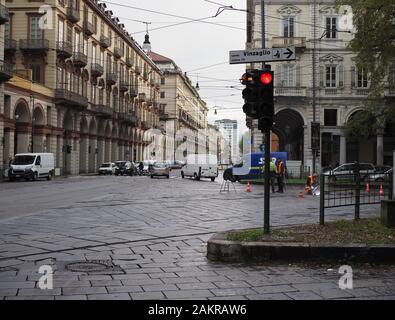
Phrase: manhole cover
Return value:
(87, 266)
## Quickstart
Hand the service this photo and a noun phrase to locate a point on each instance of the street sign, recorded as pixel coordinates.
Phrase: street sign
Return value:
(262, 55)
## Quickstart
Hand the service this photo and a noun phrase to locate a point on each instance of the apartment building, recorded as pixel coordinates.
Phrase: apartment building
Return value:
(182, 112)
(340, 87)
(5, 75)
(229, 129)
(93, 94)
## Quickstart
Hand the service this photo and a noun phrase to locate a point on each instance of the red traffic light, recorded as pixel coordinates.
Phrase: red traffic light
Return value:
(266, 78)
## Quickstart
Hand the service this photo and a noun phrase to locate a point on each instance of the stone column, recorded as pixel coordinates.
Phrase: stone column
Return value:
(343, 149)
(380, 147)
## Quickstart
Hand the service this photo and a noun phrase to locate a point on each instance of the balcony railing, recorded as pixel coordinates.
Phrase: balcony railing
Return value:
(105, 42)
(297, 42)
(73, 14)
(96, 70)
(145, 125)
(6, 71)
(123, 86)
(102, 110)
(111, 78)
(129, 62)
(137, 70)
(3, 14)
(70, 99)
(80, 59)
(117, 53)
(34, 45)
(290, 92)
(149, 102)
(88, 28)
(127, 118)
(10, 46)
(362, 91)
(145, 75)
(64, 49)
(163, 116)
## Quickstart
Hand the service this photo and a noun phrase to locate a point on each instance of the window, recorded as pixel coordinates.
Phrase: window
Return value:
(288, 75)
(162, 95)
(162, 81)
(362, 78)
(102, 28)
(77, 41)
(94, 20)
(37, 73)
(330, 77)
(110, 37)
(86, 46)
(288, 27)
(61, 30)
(331, 23)
(330, 117)
(69, 34)
(94, 53)
(102, 58)
(35, 30)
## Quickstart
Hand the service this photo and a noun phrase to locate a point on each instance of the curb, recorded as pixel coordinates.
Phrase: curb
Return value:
(221, 249)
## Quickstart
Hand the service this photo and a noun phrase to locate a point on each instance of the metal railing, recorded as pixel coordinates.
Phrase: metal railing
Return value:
(111, 78)
(10, 45)
(105, 42)
(4, 16)
(71, 98)
(73, 14)
(34, 44)
(96, 70)
(353, 189)
(6, 70)
(88, 28)
(297, 42)
(64, 49)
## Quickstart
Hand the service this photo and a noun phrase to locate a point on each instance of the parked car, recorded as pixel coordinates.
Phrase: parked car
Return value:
(123, 168)
(345, 171)
(382, 169)
(107, 168)
(201, 166)
(381, 176)
(32, 166)
(176, 164)
(159, 169)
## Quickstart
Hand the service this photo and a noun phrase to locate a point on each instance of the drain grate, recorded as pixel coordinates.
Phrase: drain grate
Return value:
(94, 266)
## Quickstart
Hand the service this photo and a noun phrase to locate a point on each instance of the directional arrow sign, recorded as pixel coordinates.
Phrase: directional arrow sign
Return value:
(262, 55)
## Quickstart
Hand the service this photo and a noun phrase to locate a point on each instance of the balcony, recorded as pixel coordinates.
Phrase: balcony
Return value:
(145, 75)
(3, 14)
(105, 42)
(103, 111)
(88, 28)
(137, 70)
(129, 62)
(123, 86)
(133, 92)
(127, 118)
(96, 70)
(163, 116)
(71, 99)
(10, 46)
(289, 92)
(117, 53)
(149, 102)
(6, 71)
(64, 49)
(281, 42)
(111, 78)
(362, 91)
(73, 14)
(142, 97)
(80, 59)
(34, 45)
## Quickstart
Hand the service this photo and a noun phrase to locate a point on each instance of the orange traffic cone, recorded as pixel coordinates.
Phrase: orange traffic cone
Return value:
(248, 187)
(367, 189)
(381, 192)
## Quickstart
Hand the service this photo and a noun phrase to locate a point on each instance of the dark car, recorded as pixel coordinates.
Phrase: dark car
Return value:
(124, 168)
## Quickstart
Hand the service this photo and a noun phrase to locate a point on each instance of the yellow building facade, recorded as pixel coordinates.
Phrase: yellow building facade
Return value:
(83, 87)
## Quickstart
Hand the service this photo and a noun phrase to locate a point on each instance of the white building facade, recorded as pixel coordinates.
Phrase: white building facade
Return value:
(230, 132)
(340, 88)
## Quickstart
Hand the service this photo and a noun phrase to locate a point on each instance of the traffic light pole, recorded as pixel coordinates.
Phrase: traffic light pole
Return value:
(266, 133)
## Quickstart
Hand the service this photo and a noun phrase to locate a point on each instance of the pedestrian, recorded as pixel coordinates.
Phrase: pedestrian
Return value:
(280, 176)
(272, 174)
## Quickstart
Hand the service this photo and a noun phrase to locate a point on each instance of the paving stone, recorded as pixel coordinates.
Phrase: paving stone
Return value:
(159, 287)
(22, 284)
(334, 293)
(74, 297)
(232, 292)
(231, 284)
(147, 295)
(117, 296)
(39, 292)
(83, 290)
(121, 289)
(303, 295)
(141, 282)
(105, 283)
(196, 285)
(274, 289)
(180, 280)
(183, 294)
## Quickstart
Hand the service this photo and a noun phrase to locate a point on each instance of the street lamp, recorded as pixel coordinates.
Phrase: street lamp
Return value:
(32, 102)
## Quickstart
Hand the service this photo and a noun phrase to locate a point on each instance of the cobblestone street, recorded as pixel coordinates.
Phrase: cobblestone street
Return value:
(150, 235)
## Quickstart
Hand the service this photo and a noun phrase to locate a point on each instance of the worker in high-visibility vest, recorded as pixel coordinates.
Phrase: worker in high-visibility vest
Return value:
(309, 184)
(280, 176)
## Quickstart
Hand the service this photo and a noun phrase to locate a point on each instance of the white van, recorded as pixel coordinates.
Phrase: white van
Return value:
(32, 166)
(200, 166)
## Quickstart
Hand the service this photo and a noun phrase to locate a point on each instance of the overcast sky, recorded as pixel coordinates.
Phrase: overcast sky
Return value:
(195, 46)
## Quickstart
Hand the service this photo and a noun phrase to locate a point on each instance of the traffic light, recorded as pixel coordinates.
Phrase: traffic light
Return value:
(250, 94)
(266, 99)
(258, 96)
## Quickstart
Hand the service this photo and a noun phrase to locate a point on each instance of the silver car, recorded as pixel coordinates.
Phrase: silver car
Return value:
(346, 171)
(381, 177)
